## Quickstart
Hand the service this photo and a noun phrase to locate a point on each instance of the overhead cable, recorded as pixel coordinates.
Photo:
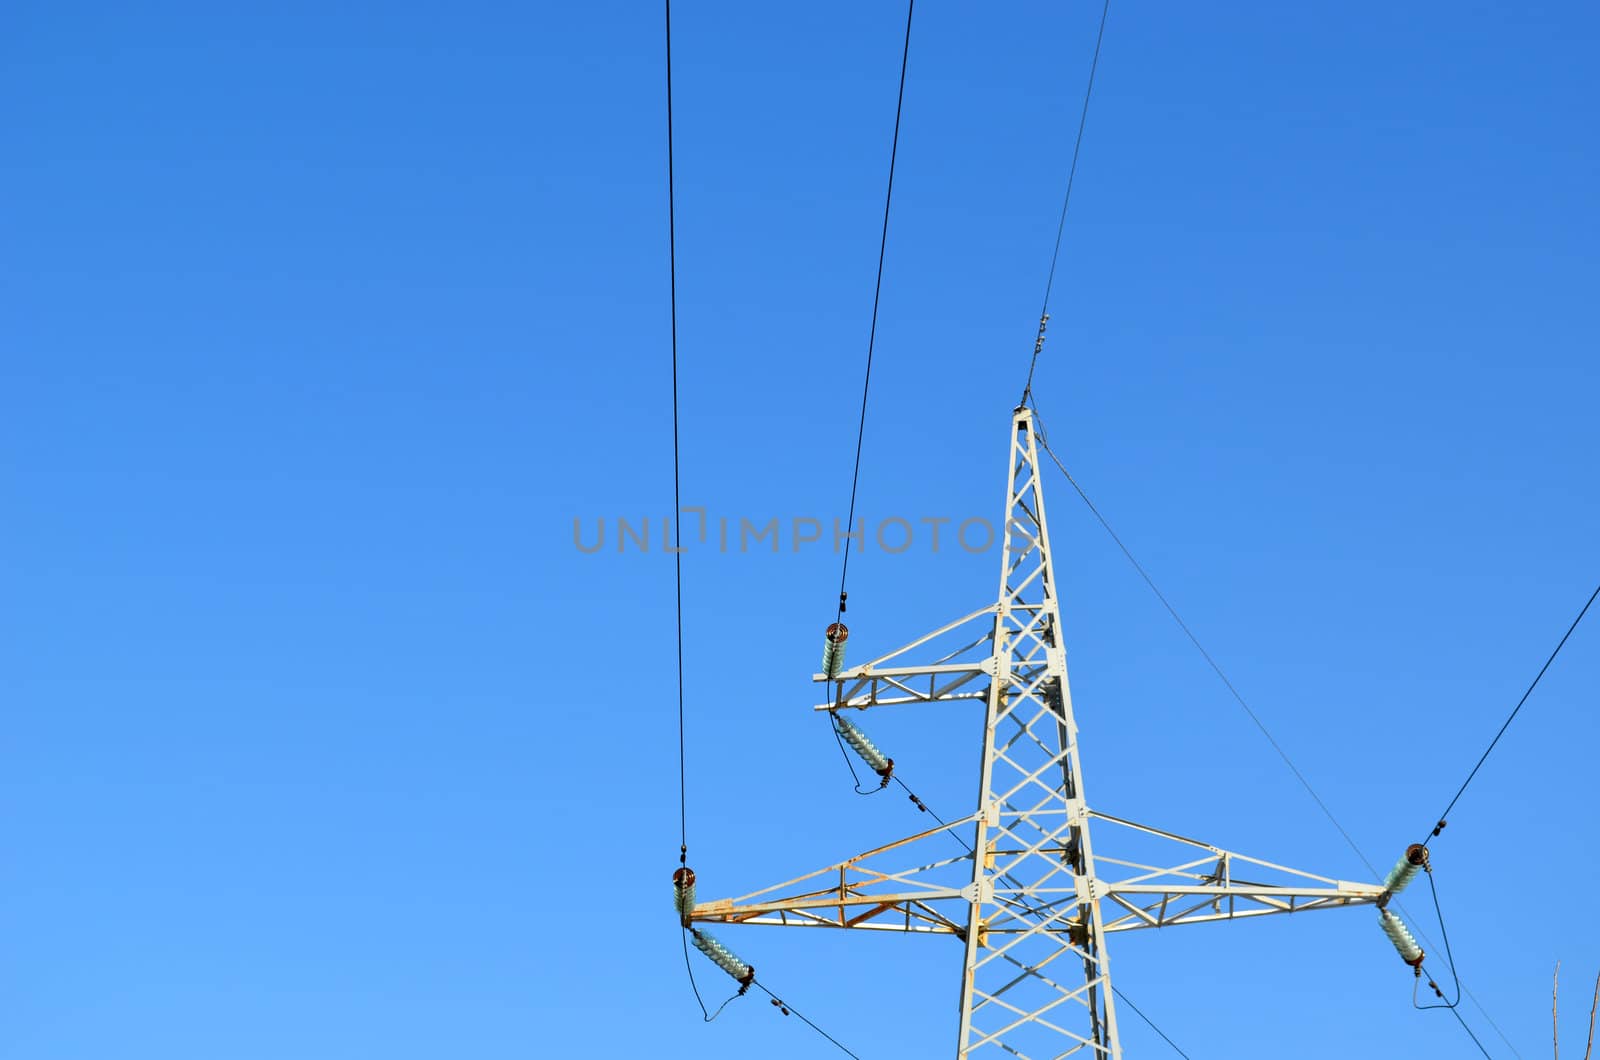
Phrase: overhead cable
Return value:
(1439, 826)
(877, 293)
(677, 507)
(1459, 1019)
(1137, 1011)
(789, 1010)
(1066, 200)
(677, 501)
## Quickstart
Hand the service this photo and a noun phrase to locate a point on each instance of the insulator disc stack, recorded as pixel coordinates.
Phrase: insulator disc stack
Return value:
(875, 759)
(833, 648)
(1400, 935)
(1405, 870)
(683, 893)
(725, 959)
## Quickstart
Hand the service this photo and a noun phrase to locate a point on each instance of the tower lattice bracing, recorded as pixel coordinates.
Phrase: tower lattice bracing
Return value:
(1019, 882)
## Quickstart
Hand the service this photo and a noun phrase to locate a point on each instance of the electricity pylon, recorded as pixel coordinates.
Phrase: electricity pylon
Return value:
(1030, 900)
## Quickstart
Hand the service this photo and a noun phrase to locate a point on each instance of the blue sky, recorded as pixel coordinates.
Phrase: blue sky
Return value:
(325, 325)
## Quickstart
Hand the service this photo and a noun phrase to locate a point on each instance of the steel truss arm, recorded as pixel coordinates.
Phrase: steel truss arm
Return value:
(1204, 887)
(931, 897)
(960, 674)
(852, 894)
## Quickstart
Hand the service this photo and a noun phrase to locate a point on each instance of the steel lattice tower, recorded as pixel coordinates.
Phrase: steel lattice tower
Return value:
(1030, 900)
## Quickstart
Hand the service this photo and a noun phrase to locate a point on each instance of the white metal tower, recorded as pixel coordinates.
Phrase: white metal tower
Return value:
(1031, 900)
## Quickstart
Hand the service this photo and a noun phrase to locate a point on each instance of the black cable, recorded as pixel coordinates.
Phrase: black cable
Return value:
(1066, 200)
(877, 292)
(925, 808)
(1468, 1029)
(1450, 958)
(1137, 1011)
(789, 1009)
(677, 558)
(677, 506)
(1443, 816)
(1443, 931)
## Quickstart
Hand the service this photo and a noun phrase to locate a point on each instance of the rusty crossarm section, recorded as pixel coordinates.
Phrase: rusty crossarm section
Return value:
(1199, 890)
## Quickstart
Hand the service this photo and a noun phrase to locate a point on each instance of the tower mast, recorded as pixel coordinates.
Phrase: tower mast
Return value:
(1034, 872)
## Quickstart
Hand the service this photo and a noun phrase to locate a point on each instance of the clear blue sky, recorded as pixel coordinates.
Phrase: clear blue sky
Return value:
(323, 325)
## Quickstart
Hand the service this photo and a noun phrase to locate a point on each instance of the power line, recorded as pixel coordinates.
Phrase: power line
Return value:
(1044, 442)
(1449, 956)
(1140, 1013)
(1066, 200)
(677, 508)
(1468, 1029)
(877, 293)
(788, 1010)
(677, 503)
(1512, 717)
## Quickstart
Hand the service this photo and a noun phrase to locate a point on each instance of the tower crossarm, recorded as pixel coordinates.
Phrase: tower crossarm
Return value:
(930, 897)
(962, 672)
(1204, 886)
